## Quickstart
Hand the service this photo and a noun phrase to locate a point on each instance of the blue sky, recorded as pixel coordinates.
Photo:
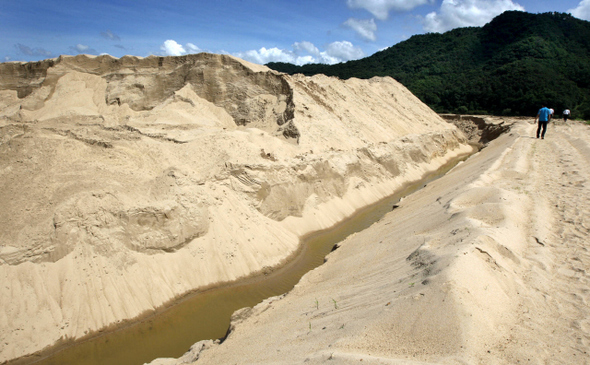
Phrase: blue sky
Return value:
(260, 31)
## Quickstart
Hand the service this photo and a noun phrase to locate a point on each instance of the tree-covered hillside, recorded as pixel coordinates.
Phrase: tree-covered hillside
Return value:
(507, 67)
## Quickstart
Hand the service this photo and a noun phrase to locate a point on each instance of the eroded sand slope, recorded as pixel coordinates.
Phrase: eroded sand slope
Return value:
(125, 183)
(487, 265)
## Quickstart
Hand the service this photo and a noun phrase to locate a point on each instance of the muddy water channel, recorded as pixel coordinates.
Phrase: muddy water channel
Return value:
(206, 315)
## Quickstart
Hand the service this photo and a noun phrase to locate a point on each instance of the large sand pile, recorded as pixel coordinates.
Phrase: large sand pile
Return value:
(487, 265)
(128, 182)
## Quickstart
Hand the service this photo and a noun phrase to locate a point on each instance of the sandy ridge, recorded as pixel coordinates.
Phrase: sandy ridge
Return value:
(128, 182)
(488, 264)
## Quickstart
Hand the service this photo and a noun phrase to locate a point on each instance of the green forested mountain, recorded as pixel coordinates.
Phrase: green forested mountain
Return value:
(510, 66)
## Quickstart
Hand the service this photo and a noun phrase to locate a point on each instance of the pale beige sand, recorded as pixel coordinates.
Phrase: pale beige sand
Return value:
(125, 183)
(487, 265)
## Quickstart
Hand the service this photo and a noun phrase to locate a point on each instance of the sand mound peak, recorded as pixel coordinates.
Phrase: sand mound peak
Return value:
(167, 174)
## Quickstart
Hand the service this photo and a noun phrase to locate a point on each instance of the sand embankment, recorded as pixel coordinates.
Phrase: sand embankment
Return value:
(126, 183)
(487, 265)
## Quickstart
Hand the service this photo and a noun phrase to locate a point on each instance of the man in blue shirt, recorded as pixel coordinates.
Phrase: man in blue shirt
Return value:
(543, 116)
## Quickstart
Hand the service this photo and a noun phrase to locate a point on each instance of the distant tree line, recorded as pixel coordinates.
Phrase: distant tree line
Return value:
(510, 66)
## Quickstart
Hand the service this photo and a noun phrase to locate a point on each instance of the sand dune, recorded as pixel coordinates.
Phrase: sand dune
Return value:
(129, 182)
(487, 265)
(126, 183)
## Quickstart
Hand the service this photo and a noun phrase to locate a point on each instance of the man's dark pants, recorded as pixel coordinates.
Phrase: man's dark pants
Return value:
(544, 126)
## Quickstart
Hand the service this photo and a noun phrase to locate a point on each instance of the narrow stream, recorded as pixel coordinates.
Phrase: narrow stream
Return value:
(206, 315)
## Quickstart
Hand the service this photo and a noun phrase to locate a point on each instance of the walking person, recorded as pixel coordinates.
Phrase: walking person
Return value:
(566, 114)
(543, 117)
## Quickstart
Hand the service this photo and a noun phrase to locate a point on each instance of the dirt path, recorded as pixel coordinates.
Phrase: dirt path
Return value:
(554, 322)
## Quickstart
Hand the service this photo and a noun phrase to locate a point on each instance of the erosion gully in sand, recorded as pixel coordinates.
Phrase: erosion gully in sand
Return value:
(128, 183)
(170, 332)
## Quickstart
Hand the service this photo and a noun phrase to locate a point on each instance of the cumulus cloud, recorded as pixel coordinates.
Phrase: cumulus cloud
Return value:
(172, 48)
(300, 54)
(582, 11)
(110, 35)
(381, 8)
(364, 28)
(466, 13)
(343, 51)
(306, 47)
(304, 53)
(28, 51)
(80, 48)
(264, 55)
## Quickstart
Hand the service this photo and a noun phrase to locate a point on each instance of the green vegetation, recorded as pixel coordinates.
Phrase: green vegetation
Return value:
(507, 67)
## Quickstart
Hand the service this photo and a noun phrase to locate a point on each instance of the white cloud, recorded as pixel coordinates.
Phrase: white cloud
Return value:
(301, 54)
(264, 55)
(380, 8)
(192, 48)
(365, 28)
(306, 47)
(466, 13)
(582, 11)
(343, 51)
(304, 53)
(304, 60)
(171, 48)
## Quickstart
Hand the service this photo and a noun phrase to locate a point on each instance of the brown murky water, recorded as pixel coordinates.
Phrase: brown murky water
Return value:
(206, 315)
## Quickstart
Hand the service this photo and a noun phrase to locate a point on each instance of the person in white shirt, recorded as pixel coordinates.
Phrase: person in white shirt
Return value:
(566, 114)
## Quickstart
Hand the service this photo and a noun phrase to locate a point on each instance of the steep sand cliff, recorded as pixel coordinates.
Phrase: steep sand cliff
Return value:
(126, 183)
